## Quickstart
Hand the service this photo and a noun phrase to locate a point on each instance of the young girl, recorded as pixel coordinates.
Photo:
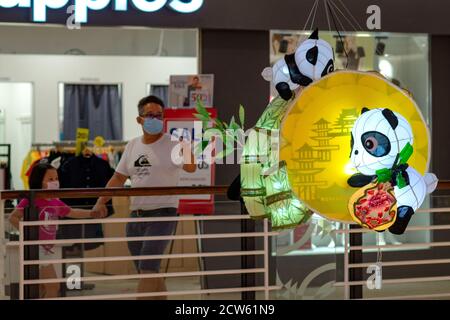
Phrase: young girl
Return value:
(45, 176)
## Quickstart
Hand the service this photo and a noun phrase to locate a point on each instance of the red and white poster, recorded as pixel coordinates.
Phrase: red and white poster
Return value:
(184, 90)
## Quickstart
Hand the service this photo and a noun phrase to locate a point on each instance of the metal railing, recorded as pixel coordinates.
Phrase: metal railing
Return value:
(265, 270)
(348, 265)
(412, 267)
(26, 262)
(353, 244)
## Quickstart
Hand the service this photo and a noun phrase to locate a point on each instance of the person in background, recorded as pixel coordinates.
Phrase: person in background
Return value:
(151, 160)
(45, 176)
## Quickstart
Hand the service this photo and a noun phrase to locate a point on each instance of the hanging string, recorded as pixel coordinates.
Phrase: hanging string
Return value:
(314, 17)
(345, 17)
(351, 15)
(311, 12)
(337, 30)
(340, 24)
(327, 14)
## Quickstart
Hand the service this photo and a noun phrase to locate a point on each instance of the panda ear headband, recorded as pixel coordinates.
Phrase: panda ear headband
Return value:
(311, 55)
(388, 115)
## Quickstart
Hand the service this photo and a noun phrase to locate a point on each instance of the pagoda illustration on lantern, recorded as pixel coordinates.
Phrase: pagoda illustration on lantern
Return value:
(310, 155)
(323, 137)
(344, 124)
(305, 173)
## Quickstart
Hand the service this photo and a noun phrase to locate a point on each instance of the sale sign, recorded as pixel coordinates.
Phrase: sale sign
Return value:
(181, 123)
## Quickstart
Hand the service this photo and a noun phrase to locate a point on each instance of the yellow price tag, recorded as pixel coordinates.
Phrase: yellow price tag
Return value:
(82, 139)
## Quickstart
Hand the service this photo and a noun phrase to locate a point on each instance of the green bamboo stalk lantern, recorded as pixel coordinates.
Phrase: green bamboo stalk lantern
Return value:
(265, 186)
(253, 189)
(285, 209)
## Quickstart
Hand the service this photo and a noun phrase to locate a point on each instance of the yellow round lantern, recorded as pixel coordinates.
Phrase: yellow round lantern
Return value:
(316, 136)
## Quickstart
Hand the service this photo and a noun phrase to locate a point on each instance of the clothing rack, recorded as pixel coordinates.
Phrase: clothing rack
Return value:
(111, 151)
(71, 143)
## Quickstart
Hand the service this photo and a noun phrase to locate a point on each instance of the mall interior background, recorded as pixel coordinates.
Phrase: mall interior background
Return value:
(235, 47)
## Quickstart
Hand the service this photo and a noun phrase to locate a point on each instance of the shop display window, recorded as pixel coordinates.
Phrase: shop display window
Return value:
(113, 65)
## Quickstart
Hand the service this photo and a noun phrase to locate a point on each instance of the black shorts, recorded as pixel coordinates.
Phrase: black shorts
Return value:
(147, 229)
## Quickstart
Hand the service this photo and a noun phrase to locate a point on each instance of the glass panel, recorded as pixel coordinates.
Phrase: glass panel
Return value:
(110, 41)
(308, 261)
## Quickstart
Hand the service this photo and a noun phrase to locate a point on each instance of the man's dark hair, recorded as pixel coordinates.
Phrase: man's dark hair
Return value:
(147, 100)
(37, 175)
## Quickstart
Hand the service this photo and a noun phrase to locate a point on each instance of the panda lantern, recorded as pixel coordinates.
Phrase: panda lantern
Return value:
(390, 190)
(312, 60)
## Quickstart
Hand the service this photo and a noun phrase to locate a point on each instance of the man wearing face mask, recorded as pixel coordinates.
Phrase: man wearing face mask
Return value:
(151, 160)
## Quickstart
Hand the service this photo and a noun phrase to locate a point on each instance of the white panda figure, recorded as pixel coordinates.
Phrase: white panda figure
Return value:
(280, 76)
(378, 137)
(312, 60)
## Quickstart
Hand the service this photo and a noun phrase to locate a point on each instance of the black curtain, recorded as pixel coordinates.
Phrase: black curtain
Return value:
(162, 92)
(95, 107)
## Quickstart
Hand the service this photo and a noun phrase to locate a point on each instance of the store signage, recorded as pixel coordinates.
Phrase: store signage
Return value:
(39, 7)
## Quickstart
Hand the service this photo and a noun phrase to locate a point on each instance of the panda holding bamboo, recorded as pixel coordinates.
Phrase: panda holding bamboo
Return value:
(379, 137)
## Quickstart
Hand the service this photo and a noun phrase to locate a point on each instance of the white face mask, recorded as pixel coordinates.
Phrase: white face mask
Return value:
(53, 185)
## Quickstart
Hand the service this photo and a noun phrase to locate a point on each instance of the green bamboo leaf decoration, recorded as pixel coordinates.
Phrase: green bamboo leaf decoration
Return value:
(233, 124)
(200, 108)
(227, 138)
(242, 115)
(201, 117)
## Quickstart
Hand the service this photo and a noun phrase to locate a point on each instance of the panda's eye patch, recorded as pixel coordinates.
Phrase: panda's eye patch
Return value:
(376, 143)
(329, 68)
(312, 54)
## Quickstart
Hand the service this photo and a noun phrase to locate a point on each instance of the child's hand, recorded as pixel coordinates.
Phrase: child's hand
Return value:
(98, 214)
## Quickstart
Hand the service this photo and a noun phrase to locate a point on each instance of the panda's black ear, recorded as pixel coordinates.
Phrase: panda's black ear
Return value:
(363, 110)
(315, 35)
(390, 117)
